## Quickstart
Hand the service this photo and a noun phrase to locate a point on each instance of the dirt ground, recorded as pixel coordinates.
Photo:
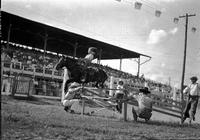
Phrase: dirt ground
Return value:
(42, 119)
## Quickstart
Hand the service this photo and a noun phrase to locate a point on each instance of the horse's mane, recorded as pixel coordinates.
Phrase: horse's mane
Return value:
(71, 59)
(76, 62)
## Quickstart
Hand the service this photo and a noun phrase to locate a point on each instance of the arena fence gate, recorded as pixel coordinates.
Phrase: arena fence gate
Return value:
(162, 105)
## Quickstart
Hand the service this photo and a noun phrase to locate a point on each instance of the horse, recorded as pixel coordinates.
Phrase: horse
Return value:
(81, 74)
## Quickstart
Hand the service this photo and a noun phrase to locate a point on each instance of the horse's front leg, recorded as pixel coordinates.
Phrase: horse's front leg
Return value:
(66, 84)
(102, 84)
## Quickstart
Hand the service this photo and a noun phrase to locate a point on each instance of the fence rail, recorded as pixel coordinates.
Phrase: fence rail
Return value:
(11, 67)
(163, 107)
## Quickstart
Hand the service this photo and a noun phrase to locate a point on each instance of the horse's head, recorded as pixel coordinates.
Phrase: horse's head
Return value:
(60, 63)
(65, 62)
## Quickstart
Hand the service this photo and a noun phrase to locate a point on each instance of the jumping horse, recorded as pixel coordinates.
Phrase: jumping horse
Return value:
(80, 73)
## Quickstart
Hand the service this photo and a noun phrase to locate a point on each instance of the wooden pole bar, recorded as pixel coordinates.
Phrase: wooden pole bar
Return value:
(83, 107)
(125, 109)
(120, 64)
(138, 73)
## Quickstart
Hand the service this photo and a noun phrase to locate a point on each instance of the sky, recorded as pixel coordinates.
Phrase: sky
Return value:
(119, 23)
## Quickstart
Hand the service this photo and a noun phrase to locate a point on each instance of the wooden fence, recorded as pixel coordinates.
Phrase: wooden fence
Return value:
(162, 105)
(23, 85)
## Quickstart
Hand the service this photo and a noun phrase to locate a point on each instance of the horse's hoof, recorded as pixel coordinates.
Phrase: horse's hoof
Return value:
(92, 112)
(66, 108)
(72, 111)
(146, 120)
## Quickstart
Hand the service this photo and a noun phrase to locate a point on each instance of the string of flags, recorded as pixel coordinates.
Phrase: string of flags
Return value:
(138, 6)
(193, 29)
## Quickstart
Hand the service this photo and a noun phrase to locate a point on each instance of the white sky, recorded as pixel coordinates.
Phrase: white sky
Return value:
(119, 23)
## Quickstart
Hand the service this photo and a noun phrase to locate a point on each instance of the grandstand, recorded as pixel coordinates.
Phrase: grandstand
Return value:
(36, 59)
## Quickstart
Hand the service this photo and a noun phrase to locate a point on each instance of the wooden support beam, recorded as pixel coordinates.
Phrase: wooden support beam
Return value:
(125, 111)
(83, 107)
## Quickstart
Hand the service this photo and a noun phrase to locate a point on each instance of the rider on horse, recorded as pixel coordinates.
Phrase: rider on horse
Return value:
(85, 62)
(89, 57)
(91, 54)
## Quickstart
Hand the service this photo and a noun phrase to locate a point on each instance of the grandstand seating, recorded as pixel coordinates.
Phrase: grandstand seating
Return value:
(30, 61)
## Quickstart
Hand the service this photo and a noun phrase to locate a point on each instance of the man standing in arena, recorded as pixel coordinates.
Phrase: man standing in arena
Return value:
(119, 94)
(193, 91)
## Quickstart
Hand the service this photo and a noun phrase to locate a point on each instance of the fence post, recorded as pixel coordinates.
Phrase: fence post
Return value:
(174, 97)
(34, 71)
(14, 86)
(29, 88)
(111, 85)
(83, 101)
(11, 64)
(83, 107)
(65, 77)
(2, 66)
(125, 108)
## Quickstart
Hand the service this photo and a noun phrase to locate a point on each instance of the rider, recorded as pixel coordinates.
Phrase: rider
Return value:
(91, 54)
(88, 59)
(72, 96)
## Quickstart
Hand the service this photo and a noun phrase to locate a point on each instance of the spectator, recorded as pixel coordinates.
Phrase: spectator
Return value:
(6, 84)
(36, 86)
(119, 94)
(44, 87)
(193, 91)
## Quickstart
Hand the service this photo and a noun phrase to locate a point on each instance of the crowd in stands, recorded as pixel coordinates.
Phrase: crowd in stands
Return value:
(31, 58)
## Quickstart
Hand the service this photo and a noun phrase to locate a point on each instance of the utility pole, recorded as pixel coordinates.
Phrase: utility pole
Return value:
(184, 56)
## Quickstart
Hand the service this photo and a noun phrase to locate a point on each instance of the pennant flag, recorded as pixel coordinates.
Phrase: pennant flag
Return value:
(194, 29)
(176, 20)
(157, 13)
(138, 5)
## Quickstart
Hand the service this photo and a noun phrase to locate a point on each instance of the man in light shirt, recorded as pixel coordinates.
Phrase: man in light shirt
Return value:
(193, 91)
(145, 104)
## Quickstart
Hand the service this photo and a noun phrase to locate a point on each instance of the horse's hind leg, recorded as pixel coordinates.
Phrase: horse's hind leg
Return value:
(97, 85)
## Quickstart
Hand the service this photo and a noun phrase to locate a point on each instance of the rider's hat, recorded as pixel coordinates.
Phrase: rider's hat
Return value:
(194, 78)
(92, 50)
(145, 90)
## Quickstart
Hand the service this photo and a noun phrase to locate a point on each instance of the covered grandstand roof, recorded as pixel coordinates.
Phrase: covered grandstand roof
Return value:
(31, 33)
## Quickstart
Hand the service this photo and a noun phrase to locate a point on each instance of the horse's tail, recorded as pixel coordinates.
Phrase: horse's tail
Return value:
(104, 75)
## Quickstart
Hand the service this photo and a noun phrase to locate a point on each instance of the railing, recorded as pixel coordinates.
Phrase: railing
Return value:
(24, 85)
(167, 107)
(25, 69)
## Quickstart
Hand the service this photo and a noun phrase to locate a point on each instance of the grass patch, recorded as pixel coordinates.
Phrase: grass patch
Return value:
(24, 119)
